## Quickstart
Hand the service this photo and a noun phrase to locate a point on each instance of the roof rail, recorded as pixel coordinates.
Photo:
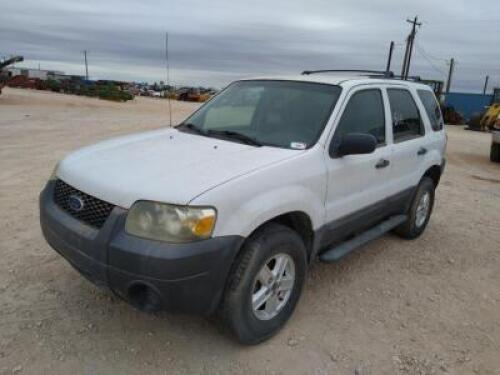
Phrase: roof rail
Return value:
(409, 78)
(387, 74)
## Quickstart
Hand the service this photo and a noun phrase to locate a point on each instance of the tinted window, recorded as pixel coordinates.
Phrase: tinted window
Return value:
(364, 114)
(406, 122)
(431, 108)
(278, 113)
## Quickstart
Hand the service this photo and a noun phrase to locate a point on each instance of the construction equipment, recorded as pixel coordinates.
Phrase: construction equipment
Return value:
(492, 115)
(492, 120)
(4, 76)
(190, 94)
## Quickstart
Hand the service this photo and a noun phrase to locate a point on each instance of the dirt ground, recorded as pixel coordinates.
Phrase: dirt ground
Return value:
(429, 306)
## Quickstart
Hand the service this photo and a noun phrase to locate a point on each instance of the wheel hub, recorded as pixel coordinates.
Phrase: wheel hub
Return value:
(423, 209)
(273, 286)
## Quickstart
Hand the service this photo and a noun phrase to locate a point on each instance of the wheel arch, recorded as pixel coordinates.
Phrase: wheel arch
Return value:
(434, 173)
(298, 221)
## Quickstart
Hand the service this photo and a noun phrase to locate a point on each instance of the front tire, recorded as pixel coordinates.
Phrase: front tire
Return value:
(495, 152)
(420, 210)
(265, 284)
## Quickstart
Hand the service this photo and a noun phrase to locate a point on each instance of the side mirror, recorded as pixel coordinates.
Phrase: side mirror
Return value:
(354, 144)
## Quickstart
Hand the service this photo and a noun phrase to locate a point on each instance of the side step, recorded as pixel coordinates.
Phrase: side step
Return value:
(337, 252)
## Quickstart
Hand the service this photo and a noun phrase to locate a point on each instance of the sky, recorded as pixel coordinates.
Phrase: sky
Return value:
(213, 42)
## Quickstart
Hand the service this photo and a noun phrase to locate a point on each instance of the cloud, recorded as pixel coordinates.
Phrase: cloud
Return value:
(214, 42)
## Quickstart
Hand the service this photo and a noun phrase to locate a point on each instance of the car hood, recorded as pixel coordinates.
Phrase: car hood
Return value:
(165, 165)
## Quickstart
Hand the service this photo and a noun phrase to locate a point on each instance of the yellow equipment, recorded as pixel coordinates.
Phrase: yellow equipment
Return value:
(492, 115)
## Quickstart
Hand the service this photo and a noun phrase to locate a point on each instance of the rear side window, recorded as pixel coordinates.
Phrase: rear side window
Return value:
(406, 122)
(364, 114)
(432, 108)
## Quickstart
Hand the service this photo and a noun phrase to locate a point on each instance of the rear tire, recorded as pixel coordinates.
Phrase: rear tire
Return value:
(273, 243)
(495, 152)
(419, 212)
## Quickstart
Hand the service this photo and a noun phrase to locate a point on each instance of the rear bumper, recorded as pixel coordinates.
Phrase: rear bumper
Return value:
(183, 277)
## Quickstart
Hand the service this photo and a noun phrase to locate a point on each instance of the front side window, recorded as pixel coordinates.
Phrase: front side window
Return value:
(431, 108)
(406, 122)
(364, 113)
(285, 114)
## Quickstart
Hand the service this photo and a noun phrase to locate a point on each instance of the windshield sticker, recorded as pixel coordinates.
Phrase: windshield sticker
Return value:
(298, 145)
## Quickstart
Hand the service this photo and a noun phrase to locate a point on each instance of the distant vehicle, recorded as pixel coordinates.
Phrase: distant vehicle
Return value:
(495, 142)
(489, 118)
(225, 212)
(4, 76)
(192, 95)
(494, 122)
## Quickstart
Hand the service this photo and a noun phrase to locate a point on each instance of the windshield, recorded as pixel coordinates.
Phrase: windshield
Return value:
(278, 113)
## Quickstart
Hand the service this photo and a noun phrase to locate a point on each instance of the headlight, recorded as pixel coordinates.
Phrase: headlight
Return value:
(170, 223)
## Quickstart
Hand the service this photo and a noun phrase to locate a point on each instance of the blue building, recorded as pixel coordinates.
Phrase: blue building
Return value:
(468, 105)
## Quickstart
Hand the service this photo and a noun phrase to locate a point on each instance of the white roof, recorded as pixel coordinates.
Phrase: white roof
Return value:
(342, 79)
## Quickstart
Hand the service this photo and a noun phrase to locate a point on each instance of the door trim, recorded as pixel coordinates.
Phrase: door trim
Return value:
(358, 221)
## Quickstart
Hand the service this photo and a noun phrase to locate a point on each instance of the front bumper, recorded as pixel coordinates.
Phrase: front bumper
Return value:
(149, 274)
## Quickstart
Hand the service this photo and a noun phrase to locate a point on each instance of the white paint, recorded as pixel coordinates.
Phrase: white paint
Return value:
(250, 185)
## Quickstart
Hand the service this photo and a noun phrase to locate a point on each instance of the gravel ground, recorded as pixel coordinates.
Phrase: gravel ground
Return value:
(429, 306)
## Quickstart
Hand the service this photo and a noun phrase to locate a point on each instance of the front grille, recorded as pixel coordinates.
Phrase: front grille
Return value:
(93, 212)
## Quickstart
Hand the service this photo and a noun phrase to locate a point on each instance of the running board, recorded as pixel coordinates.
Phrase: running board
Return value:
(337, 252)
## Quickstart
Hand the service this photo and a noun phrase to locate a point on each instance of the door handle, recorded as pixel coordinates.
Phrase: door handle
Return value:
(422, 151)
(382, 163)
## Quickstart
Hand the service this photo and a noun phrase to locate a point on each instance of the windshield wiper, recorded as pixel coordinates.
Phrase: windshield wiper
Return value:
(235, 135)
(191, 127)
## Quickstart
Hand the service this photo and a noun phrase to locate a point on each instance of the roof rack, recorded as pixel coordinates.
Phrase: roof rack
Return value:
(409, 78)
(387, 74)
(367, 73)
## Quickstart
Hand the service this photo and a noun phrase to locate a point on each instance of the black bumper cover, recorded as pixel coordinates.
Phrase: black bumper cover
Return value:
(185, 277)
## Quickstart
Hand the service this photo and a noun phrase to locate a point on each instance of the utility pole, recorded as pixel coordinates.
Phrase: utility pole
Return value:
(409, 46)
(86, 65)
(450, 75)
(389, 59)
(405, 58)
(486, 85)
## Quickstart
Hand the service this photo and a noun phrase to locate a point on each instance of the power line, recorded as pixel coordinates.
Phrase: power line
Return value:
(437, 69)
(442, 59)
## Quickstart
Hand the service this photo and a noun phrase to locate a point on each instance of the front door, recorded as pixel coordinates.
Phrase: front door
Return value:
(357, 184)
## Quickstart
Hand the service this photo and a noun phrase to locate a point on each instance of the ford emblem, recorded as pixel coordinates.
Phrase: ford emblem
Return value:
(75, 203)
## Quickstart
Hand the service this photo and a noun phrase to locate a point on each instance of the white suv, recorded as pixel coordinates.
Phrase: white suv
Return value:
(225, 212)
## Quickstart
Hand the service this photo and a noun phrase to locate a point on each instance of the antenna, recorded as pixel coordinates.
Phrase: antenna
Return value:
(168, 80)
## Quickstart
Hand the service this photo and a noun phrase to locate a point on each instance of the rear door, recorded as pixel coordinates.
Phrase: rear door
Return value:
(409, 142)
(357, 184)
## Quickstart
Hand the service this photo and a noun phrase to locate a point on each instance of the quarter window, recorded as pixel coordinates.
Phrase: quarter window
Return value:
(364, 114)
(431, 108)
(406, 122)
